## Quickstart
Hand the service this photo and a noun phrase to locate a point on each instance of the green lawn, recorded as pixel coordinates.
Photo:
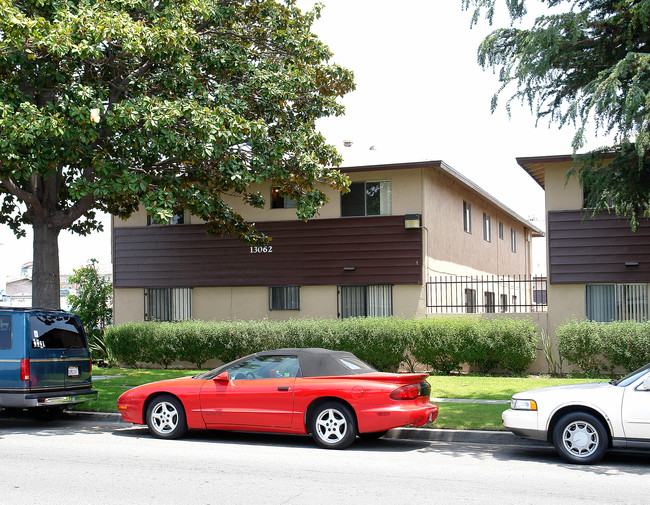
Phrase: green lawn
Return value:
(490, 388)
(464, 416)
(110, 389)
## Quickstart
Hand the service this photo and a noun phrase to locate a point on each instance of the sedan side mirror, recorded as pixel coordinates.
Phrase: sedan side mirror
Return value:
(222, 377)
(645, 385)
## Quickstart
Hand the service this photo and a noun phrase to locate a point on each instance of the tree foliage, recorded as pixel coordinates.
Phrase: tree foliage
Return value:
(110, 104)
(93, 303)
(584, 63)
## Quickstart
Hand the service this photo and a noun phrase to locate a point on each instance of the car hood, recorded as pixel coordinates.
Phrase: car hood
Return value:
(579, 391)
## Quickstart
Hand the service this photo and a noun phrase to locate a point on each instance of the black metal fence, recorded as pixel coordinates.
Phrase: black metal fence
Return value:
(485, 294)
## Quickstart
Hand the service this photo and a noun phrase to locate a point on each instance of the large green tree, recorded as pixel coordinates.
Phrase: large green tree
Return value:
(110, 104)
(585, 64)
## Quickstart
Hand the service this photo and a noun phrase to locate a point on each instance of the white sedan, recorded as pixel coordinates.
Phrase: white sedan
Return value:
(583, 421)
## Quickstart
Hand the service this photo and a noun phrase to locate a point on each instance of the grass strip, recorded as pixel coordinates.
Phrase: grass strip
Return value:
(469, 416)
(491, 388)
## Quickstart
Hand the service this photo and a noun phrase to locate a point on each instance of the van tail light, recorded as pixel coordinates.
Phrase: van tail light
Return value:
(24, 369)
(412, 391)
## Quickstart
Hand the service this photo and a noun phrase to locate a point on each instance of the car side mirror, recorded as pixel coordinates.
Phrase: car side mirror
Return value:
(222, 377)
(645, 385)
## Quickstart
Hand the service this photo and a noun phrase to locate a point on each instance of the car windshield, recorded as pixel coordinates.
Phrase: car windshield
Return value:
(630, 378)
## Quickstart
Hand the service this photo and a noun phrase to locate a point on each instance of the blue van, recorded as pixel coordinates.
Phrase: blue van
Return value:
(44, 361)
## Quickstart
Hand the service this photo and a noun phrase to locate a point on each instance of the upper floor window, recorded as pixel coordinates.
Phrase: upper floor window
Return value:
(177, 218)
(281, 202)
(617, 302)
(513, 240)
(370, 198)
(467, 217)
(501, 230)
(487, 228)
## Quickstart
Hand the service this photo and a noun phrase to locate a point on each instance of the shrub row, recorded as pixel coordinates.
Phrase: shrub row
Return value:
(596, 347)
(444, 344)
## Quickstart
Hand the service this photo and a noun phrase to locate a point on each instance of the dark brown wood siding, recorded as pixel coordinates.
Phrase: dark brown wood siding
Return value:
(380, 250)
(596, 250)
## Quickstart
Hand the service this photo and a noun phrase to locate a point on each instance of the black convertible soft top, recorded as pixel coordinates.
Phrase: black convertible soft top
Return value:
(314, 362)
(318, 362)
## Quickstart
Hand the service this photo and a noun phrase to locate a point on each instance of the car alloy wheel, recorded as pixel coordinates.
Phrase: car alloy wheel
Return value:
(580, 437)
(166, 417)
(333, 426)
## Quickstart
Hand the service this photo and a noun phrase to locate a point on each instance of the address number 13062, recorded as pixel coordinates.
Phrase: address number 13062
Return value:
(261, 250)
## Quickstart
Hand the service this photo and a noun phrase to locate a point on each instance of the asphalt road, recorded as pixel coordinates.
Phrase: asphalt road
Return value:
(98, 461)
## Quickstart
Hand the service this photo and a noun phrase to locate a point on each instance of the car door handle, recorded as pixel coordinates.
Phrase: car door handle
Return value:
(283, 388)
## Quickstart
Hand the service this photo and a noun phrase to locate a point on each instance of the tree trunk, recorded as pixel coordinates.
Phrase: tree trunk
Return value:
(45, 276)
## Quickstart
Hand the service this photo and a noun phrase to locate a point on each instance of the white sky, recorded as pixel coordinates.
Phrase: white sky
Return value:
(420, 96)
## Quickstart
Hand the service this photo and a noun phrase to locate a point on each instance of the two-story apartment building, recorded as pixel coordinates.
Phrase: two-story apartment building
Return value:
(368, 252)
(597, 267)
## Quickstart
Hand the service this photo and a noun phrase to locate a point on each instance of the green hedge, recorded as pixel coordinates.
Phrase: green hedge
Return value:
(596, 347)
(444, 344)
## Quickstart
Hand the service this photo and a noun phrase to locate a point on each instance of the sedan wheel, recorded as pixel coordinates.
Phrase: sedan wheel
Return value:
(333, 426)
(580, 438)
(166, 417)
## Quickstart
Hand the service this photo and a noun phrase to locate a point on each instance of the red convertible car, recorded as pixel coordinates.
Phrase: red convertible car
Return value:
(331, 394)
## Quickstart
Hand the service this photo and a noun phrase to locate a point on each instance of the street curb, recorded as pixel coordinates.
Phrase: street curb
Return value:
(461, 436)
(417, 434)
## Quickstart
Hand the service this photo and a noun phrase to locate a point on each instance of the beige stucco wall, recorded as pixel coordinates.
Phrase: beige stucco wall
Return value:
(452, 251)
(561, 193)
(250, 303)
(128, 305)
(565, 301)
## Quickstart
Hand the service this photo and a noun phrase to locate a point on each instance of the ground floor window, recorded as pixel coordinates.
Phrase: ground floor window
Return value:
(489, 302)
(617, 302)
(284, 298)
(470, 300)
(167, 304)
(366, 301)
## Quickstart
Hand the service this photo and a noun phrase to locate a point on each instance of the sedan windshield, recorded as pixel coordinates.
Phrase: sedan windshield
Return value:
(630, 378)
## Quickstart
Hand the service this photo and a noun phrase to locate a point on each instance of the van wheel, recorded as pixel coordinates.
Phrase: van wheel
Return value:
(46, 413)
(166, 417)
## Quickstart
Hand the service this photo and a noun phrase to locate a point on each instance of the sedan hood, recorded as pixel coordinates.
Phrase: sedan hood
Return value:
(588, 390)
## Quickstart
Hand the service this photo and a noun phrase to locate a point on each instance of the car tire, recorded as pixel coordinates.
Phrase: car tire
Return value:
(333, 425)
(580, 438)
(166, 417)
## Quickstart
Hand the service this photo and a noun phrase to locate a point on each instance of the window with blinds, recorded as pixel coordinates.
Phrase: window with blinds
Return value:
(366, 301)
(617, 302)
(284, 298)
(167, 304)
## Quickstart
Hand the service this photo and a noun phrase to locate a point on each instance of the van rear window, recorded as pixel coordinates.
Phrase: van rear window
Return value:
(5, 332)
(56, 332)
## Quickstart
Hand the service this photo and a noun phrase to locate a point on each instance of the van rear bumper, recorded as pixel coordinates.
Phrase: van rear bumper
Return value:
(23, 399)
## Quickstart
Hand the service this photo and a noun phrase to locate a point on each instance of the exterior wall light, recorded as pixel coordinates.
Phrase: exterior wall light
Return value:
(413, 221)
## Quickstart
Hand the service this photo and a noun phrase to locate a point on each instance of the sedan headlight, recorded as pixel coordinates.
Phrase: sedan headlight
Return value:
(517, 404)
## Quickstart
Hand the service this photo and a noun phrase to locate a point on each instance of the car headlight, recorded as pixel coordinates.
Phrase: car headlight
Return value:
(516, 404)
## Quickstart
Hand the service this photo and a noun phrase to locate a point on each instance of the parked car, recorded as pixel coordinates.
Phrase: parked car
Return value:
(331, 394)
(583, 421)
(44, 361)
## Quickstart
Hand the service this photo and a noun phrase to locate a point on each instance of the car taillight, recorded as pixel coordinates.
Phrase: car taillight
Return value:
(24, 369)
(411, 392)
